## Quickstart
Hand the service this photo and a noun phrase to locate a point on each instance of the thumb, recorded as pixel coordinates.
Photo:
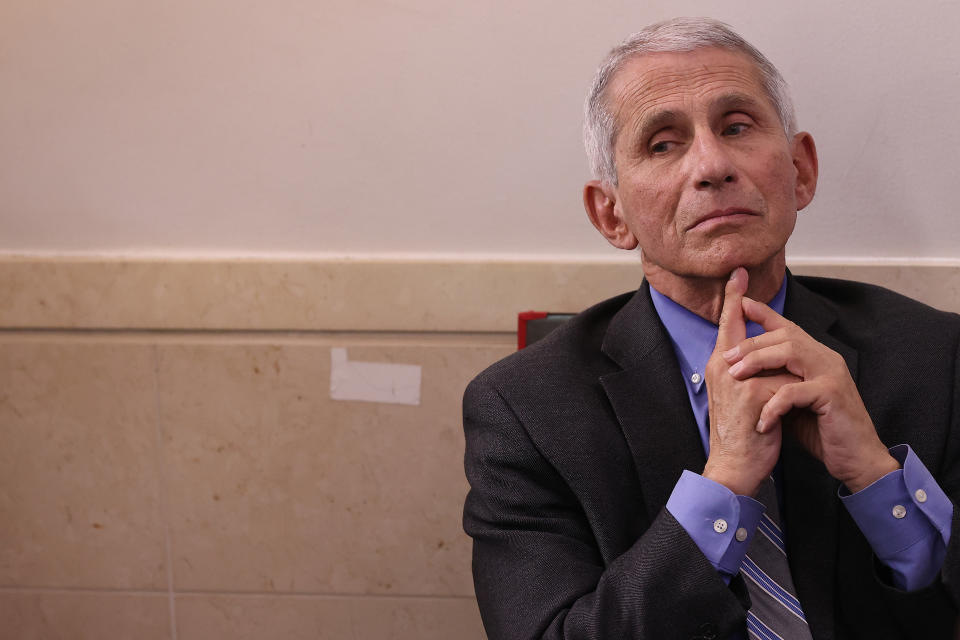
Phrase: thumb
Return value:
(733, 328)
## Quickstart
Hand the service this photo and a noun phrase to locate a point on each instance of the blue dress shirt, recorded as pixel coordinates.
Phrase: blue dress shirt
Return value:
(904, 515)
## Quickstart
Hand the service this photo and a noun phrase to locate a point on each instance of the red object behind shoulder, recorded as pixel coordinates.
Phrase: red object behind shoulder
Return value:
(522, 318)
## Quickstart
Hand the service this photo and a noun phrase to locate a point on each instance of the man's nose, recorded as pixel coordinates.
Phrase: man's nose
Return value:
(711, 163)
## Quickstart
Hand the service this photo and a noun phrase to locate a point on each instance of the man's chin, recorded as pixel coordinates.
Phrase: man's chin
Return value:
(719, 268)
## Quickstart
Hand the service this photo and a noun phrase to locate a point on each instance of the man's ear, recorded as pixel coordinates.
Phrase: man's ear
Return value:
(805, 161)
(600, 201)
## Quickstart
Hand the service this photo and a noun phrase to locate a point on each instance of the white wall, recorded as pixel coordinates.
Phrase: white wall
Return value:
(425, 126)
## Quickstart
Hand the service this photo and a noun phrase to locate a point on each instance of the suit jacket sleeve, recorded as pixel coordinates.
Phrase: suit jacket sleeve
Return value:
(538, 570)
(932, 612)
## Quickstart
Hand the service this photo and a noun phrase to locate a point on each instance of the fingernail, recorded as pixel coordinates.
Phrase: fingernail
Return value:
(733, 274)
(730, 354)
(736, 369)
(759, 426)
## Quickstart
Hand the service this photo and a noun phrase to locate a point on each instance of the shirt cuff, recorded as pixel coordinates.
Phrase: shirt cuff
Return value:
(721, 523)
(905, 516)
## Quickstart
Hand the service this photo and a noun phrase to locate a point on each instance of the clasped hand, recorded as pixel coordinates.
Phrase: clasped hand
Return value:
(783, 379)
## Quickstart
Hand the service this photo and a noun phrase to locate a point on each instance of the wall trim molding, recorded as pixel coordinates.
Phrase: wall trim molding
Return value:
(71, 293)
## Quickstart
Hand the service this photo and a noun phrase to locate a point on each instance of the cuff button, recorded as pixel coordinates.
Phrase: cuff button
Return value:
(741, 534)
(719, 525)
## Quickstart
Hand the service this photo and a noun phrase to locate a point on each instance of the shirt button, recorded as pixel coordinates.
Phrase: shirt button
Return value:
(899, 511)
(920, 495)
(719, 525)
(695, 378)
(741, 534)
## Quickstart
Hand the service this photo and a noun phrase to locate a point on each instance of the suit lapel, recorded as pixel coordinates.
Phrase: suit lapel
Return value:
(810, 493)
(650, 400)
(816, 316)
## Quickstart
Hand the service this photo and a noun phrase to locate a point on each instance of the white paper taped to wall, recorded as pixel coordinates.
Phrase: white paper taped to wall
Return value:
(373, 381)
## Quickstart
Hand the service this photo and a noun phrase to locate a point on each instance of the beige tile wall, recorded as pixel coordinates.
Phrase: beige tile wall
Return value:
(174, 467)
(79, 615)
(220, 464)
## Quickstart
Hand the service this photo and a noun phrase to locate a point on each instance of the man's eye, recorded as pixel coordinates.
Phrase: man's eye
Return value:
(660, 147)
(735, 129)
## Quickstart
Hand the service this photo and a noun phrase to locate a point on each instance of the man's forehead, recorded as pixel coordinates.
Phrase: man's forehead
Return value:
(655, 80)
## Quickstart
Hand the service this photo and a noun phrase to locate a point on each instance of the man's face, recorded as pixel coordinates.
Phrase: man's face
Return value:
(707, 179)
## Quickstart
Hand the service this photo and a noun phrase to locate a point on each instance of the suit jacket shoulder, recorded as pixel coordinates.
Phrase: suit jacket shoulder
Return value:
(869, 312)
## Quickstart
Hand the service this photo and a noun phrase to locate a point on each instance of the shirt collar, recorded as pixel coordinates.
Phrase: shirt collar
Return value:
(694, 338)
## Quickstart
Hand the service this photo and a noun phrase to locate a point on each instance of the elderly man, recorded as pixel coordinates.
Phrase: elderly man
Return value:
(730, 450)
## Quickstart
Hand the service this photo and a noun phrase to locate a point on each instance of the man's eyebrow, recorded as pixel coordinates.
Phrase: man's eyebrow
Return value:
(735, 102)
(657, 120)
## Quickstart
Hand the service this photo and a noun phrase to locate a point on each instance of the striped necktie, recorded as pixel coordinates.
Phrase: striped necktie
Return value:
(775, 612)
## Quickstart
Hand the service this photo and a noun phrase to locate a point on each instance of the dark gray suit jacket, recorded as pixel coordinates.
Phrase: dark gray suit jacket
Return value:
(574, 444)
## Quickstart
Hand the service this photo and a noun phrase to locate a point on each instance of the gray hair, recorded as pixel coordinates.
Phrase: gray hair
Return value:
(676, 35)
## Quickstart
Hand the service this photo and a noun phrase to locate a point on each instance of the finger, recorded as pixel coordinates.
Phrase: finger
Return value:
(798, 395)
(781, 378)
(779, 356)
(767, 427)
(755, 343)
(763, 315)
(733, 328)
(779, 381)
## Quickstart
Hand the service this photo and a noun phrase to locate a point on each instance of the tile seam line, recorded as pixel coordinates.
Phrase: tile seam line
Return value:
(250, 594)
(162, 494)
(85, 590)
(251, 332)
(332, 595)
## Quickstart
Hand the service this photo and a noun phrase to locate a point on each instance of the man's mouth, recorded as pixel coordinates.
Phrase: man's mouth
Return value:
(719, 217)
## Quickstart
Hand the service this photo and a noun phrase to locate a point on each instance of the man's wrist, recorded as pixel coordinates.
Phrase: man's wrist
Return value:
(881, 466)
(735, 480)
